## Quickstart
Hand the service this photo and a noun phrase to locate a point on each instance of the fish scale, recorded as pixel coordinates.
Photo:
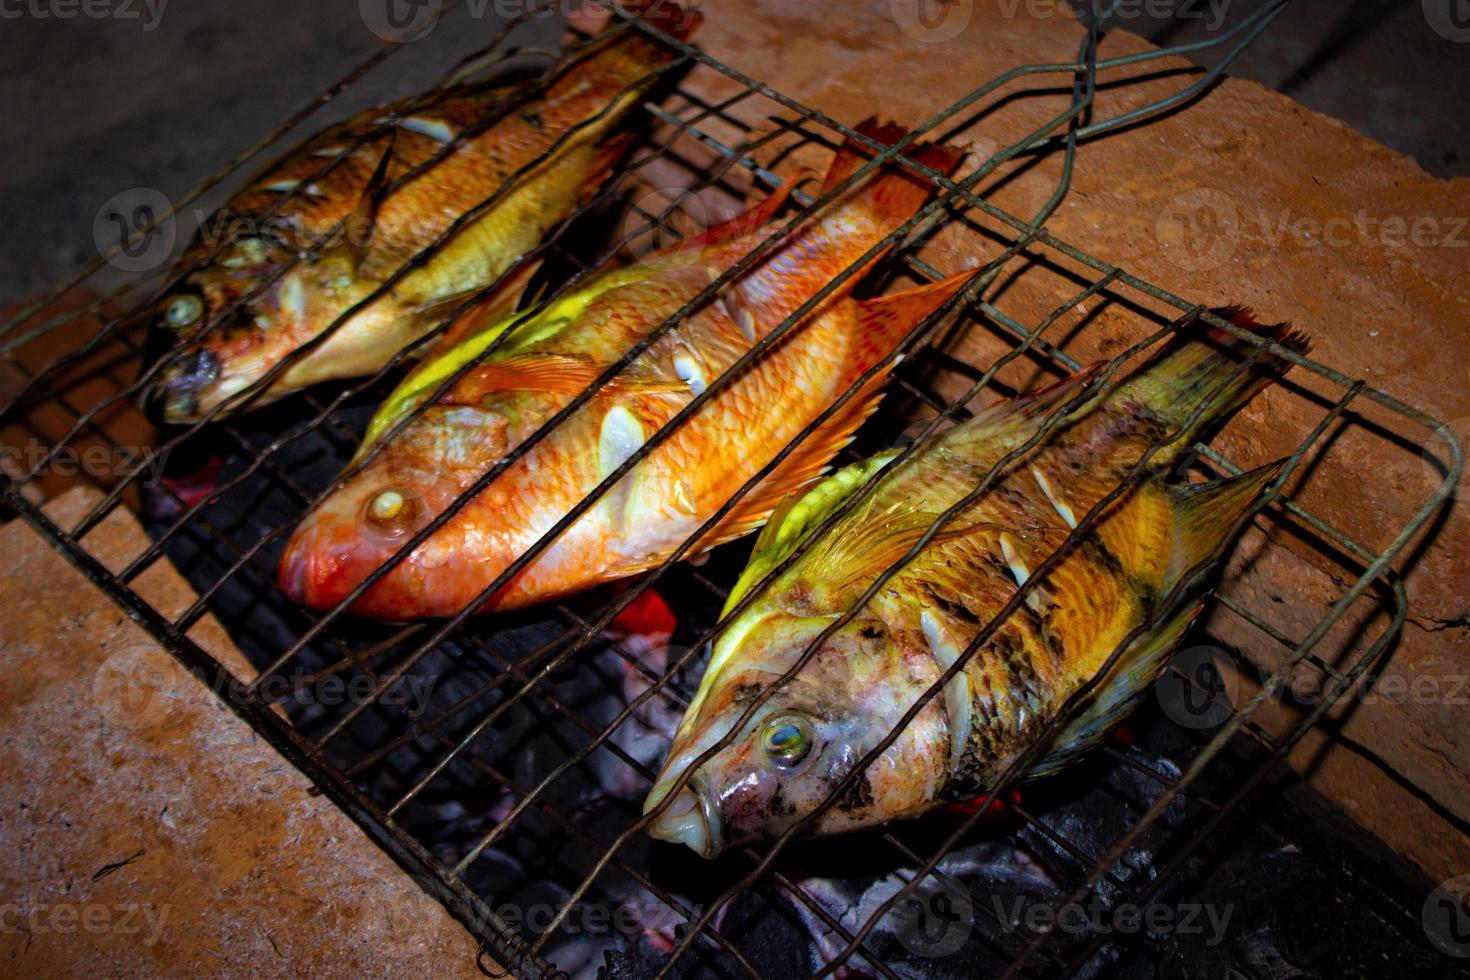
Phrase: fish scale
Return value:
(403, 177)
(856, 673)
(545, 357)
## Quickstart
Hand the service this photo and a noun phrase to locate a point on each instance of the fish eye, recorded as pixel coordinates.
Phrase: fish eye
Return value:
(391, 509)
(183, 309)
(787, 741)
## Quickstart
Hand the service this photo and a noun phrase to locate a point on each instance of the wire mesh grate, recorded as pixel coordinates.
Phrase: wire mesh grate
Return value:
(505, 759)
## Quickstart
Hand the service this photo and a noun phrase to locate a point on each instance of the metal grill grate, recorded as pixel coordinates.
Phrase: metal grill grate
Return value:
(534, 714)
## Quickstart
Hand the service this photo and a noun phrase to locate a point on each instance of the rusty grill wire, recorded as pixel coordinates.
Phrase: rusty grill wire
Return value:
(332, 749)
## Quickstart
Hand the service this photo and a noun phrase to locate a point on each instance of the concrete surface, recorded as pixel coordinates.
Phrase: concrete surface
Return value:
(147, 831)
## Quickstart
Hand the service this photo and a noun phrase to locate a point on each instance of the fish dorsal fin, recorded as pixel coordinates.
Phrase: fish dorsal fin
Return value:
(1205, 514)
(362, 223)
(797, 516)
(1025, 410)
(1112, 700)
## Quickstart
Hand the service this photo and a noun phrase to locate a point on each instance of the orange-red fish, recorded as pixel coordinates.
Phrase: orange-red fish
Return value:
(551, 354)
(375, 209)
(808, 736)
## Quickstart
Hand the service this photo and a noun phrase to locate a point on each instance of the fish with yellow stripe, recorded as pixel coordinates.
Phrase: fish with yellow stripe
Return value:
(810, 733)
(488, 167)
(547, 356)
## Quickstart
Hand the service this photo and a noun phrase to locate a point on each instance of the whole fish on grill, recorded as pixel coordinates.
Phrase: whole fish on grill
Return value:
(367, 196)
(853, 692)
(550, 355)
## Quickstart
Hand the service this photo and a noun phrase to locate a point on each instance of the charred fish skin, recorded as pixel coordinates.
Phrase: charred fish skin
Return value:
(859, 682)
(371, 193)
(546, 357)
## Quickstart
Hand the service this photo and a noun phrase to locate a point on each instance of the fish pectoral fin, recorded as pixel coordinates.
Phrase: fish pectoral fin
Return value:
(561, 374)
(1112, 700)
(1205, 514)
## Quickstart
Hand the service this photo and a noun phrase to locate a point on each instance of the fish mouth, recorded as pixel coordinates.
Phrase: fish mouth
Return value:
(298, 575)
(690, 819)
(174, 396)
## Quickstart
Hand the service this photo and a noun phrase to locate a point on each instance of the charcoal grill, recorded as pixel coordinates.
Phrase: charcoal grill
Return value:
(503, 760)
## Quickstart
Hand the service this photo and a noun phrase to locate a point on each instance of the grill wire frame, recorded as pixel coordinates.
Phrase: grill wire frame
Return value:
(1023, 239)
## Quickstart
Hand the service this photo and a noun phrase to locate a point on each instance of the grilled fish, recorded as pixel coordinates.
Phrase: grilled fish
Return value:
(550, 355)
(839, 705)
(373, 192)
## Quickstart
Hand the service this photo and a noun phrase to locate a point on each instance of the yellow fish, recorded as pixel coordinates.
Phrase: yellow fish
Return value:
(375, 209)
(801, 742)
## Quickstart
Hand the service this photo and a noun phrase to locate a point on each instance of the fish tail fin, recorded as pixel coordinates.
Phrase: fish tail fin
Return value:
(894, 194)
(1208, 363)
(1119, 692)
(1205, 515)
(669, 16)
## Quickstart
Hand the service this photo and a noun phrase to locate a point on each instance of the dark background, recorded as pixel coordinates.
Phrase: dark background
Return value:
(96, 106)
